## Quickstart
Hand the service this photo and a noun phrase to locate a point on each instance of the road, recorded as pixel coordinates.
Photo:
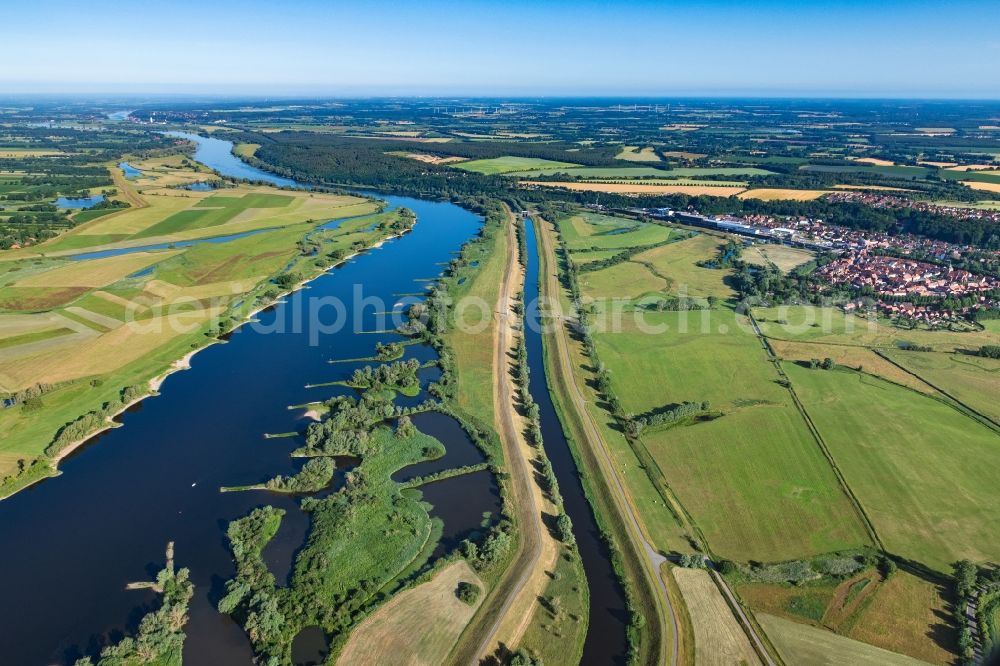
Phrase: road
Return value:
(653, 558)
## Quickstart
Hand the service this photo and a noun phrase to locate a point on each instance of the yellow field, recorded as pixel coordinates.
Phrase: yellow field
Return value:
(637, 154)
(246, 149)
(102, 354)
(772, 194)
(641, 188)
(718, 638)
(803, 645)
(784, 257)
(986, 187)
(873, 160)
(98, 272)
(417, 627)
(973, 167)
(935, 130)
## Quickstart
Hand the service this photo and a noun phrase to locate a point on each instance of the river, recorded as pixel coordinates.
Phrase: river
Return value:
(69, 545)
(606, 638)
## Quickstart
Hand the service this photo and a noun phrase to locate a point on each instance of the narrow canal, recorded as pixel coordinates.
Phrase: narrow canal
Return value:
(606, 641)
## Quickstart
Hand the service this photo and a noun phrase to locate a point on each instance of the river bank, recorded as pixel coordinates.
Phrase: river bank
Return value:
(157, 478)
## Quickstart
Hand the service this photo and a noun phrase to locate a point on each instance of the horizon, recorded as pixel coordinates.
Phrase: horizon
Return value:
(771, 49)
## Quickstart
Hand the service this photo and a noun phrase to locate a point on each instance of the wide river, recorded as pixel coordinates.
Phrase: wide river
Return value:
(69, 545)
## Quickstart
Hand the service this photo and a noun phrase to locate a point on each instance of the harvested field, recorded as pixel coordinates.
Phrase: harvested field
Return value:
(640, 188)
(872, 160)
(97, 272)
(803, 645)
(986, 187)
(719, 639)
(773, 194)
(907, 616)
(418, 626)
(973, 167)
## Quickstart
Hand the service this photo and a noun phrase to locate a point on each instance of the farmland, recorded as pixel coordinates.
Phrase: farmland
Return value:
(635, 187)
(88, 327)
(503, 165)
(419, 626)
(904, 471)
(809, 646)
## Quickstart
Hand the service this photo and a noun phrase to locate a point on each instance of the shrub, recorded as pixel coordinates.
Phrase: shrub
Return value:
(468, 592)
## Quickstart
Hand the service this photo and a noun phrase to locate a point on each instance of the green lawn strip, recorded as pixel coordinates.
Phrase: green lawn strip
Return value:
(34, 336)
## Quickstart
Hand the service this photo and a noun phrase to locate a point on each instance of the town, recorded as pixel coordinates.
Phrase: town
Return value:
(912, 277)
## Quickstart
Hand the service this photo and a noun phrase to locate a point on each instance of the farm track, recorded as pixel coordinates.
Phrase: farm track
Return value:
(128, 192)
(496, 608)
(652, 559)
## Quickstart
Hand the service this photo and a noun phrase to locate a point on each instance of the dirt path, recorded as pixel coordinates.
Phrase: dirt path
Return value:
(498, 605)
(126, 189)
(524, 602)
(595, 441)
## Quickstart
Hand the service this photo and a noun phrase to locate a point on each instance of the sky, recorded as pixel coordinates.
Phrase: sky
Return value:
(887, 48)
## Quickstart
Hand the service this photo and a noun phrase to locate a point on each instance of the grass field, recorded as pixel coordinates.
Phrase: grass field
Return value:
(587, 231)
(638, 154)
(628, 280)
(419, 626)
(784, 257)
(973, 380)
(560, 615)
(678, 263)
(753, 479)
(719, 639)
(810, 323)
(473, 348)
(636, 187)
(803, 645)
(502, 165)
(907, 471)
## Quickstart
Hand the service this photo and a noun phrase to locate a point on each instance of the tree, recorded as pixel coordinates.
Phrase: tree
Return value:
(468, 592)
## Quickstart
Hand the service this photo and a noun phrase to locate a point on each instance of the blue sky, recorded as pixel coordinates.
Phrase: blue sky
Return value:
(891, 48)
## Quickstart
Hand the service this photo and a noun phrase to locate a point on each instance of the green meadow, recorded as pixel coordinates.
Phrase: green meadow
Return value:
(753, 478)
(508, 164)
(924, 472)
